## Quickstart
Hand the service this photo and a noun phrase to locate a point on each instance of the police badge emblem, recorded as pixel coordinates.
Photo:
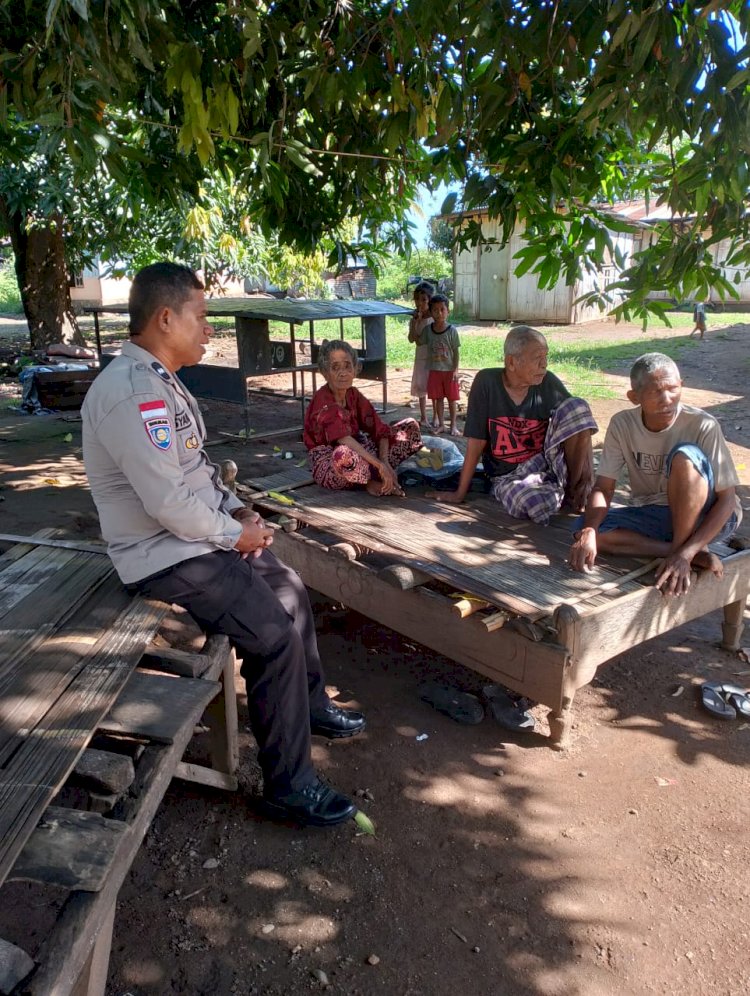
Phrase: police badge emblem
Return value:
(160, 432)
(156, 423)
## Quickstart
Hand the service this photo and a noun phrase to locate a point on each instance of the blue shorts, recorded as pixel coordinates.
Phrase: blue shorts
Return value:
(655, 521)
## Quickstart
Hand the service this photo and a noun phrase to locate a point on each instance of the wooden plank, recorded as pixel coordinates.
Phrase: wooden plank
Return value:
(285, 480)
(221, 713)
(28, 574)
(27, 692)
(601, 633)
(153, 705)
(64, 955)
(505, 656)
(182, 663)
(47, 755)
(60, 544)
(21, 549)
(464, 553)
(70, 849)
(209, 777)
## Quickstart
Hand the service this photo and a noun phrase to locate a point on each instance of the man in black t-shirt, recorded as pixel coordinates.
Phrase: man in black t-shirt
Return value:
(533, 437)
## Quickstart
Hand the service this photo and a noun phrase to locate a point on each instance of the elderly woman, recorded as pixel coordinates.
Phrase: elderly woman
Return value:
(350, 446)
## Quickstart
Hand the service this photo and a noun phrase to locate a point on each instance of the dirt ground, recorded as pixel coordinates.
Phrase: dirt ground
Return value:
(500, 867)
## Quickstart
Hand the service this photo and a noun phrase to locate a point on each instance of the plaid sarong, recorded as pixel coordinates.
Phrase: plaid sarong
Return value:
(339, 467)
(535, 490)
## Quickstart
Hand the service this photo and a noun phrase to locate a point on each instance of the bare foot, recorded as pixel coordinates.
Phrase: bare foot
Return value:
(437, 428)
(707, 561)
(455, 431)
(376, 488)
(424, 424)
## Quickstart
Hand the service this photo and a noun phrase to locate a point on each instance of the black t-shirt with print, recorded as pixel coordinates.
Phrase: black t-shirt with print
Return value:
(513, 433)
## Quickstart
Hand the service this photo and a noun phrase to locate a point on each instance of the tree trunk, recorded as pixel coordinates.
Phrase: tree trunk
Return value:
(42, 276)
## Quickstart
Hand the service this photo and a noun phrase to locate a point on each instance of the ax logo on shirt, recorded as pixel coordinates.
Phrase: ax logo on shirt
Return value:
(516, 440)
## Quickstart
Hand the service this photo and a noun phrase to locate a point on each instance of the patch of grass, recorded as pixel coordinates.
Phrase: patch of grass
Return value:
(10, 296)
(582, 366)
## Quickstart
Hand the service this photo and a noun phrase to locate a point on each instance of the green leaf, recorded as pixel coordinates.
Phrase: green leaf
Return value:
(449, 204)
(81, 8)
(301, 162)
(364, 823)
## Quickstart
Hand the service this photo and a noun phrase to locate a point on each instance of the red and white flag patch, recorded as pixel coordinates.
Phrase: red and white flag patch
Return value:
(153, 409)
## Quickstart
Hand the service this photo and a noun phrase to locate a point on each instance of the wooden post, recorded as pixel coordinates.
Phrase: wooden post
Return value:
(734, 623)
(221, 716)
(93, 979)
(566, 620)
(253, 346)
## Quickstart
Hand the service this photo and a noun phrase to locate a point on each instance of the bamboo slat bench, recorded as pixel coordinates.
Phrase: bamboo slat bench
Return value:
(78, 669)
(524, 618)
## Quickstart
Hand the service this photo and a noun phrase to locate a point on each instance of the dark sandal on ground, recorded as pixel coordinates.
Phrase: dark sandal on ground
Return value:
(459, 706)
(510, 714)
(333, 722)
(725, 700)
(315, 805)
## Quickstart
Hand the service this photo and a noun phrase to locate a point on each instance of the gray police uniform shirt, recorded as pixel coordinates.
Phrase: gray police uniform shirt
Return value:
(160, 499)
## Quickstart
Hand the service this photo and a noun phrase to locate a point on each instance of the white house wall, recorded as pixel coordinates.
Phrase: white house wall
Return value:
(599, 279)
(720, 253)
(527, 302)
(466, 281)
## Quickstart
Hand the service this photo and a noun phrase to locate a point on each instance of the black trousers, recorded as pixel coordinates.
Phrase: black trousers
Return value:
(262, 606)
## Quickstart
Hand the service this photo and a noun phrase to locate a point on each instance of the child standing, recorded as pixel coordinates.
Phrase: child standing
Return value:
(443, 344)
(421, 317)
(699, 317)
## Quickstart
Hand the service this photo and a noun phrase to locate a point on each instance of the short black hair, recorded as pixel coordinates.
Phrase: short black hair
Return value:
(439, 299)
(160, 285)
(424, 287)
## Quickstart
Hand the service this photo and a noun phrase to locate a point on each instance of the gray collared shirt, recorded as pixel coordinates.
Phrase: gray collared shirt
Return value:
(160, 499)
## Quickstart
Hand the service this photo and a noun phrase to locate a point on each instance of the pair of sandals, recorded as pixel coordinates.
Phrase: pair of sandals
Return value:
(725, 700)
(463, 707)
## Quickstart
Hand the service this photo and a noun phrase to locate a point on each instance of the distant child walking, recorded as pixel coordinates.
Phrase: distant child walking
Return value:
(421, 317)
(699, 317)
(443, 344)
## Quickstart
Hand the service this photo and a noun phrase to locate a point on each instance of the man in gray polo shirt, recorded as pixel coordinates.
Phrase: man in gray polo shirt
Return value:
(176, 534)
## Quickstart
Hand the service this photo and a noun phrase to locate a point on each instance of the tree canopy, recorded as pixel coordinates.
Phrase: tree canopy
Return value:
(543, 112)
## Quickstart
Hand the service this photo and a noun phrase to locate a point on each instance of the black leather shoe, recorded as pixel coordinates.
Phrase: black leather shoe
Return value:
(334, 722)
(316, 805)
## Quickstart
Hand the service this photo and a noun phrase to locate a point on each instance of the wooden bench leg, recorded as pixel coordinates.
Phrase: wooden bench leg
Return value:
(561, 724)
(93, 979)
(734, 621)
(221, 718)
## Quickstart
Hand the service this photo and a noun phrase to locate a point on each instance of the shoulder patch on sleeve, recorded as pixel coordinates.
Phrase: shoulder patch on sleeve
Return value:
(159, 432)
(152, 409)
(157, 423)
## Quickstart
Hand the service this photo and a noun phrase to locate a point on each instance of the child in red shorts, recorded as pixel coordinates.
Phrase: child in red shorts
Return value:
(442, 340)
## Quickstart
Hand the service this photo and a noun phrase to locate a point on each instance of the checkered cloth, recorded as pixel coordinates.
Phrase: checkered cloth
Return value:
(536, 489)
(339, 467)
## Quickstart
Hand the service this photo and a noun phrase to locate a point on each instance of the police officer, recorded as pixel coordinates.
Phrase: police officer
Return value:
(176, 534)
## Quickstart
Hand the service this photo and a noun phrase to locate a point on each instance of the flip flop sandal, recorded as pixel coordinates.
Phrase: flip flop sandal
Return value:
(736, 697)
(462, 707)
(741, 703)
(712, 701)
(505, 711)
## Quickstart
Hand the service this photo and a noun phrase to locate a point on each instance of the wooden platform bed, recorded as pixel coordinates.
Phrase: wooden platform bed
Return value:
(489, 591)
(94, 721)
